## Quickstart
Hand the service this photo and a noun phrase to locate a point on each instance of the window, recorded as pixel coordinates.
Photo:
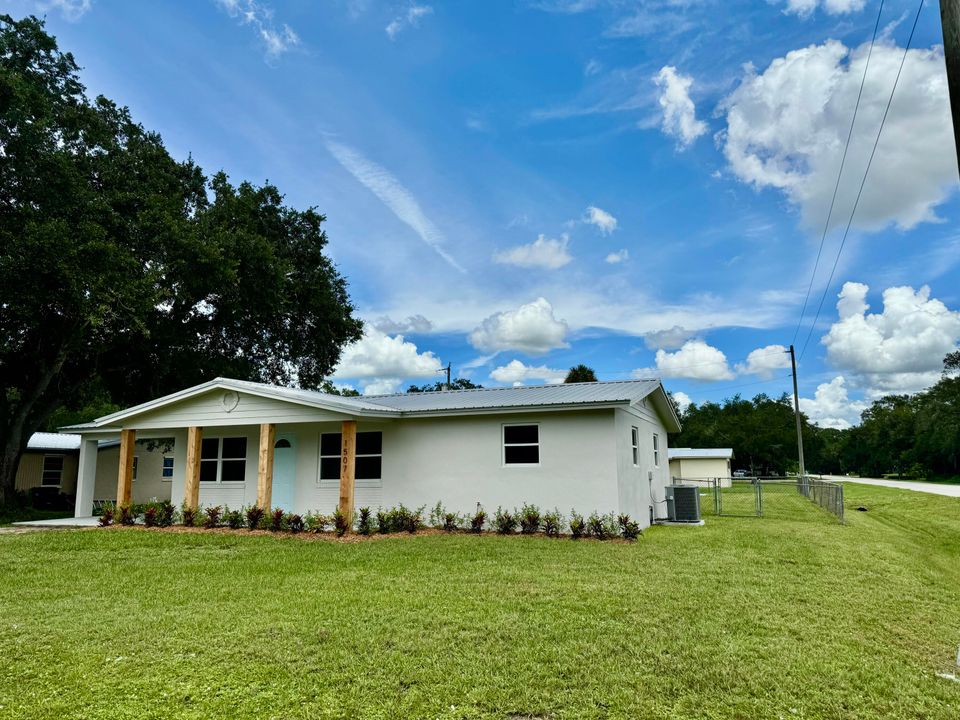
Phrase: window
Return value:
(136, 462)
(656, 450)
(222, 460)
(166, 473)
(369, 462)
(635, 441)
(52, 470)
(521, 444)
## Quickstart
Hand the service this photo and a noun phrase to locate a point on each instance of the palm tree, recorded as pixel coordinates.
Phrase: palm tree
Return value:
(580, 373)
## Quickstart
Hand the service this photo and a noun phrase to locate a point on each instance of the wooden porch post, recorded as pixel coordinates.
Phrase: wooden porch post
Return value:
(125, 474)
(191, 477)
(348, 461)
(268, 436)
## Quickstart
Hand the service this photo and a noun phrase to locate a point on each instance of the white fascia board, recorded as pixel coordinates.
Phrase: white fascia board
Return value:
(515, 409)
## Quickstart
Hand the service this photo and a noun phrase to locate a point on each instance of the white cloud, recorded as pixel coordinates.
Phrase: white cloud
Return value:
(593, 67)
(516, 373)
(618, 257)
(805, 8)
(382, 386)
(787, 126)
(409, 19)
(603, 220)
(831, 407)
(542, 253)
(679, 112)
(394, 195)
(683, 400)
(71, 10)
(669, 339)
(277, 39)
(695, 360)
(413, 324)
(531, 328)
(898, 350)
(764, 361)
(379, 356)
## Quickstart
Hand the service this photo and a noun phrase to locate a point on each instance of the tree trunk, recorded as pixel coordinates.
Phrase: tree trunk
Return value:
(9, 462)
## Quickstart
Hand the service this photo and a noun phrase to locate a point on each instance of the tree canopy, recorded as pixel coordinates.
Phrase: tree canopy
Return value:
(580, 373)
(127, 274)
(455, 384)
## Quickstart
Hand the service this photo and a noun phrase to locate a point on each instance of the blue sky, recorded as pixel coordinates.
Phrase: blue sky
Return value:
(517, 187)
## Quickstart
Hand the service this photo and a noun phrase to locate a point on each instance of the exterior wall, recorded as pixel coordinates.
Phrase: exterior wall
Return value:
(641, 486)
(700, 468)
(149, 484)
(30, 470)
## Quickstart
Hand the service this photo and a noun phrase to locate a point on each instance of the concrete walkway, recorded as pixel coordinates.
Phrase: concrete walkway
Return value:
(60, 523)
(924, 487)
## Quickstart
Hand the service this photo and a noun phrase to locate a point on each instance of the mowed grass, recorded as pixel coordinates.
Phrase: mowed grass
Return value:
(742, 618)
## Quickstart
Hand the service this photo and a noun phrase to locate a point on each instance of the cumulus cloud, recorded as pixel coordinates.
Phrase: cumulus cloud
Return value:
(601, 219)
(898, 350)
(381, 386)
(805, 8)
(517, 373)
(409, 19)
(787, 126)
(531, 328)
(543, 252)
(277, 39)
(379, 356)
(679, 112)
(670, 339)
(831, 407)
(765, 361)
(695, 360)
(683, 400)
(413, 324)
(617, 257)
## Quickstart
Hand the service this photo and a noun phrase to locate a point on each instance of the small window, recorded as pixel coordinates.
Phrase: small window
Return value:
(136, 464)
(369, 456)
(521, 444)
(166, 472)
(635, 440)
(52, 470)
(223, 459)
(656, 450)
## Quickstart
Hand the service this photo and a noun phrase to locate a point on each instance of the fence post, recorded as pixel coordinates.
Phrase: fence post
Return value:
(759, 498)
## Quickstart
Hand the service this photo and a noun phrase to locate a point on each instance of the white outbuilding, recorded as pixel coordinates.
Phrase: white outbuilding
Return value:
(701, 464)
(598, 446)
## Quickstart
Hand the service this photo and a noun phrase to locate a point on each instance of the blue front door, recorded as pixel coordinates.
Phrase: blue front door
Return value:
(284, 472)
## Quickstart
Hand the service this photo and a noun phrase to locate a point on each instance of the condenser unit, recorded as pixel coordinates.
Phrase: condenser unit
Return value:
(683, 503)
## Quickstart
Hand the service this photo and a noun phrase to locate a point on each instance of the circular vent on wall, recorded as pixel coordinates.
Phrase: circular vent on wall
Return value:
(230, 400)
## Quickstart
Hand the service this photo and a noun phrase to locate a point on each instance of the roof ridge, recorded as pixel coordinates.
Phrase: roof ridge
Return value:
(514, 387)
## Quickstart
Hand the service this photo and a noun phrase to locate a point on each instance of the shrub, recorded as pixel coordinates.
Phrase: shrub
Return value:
(294, 523)
(437, 516)
(602, 527)
(364, 524)
(383, 522)
(478, 520)
(106, 516)
(165, 514)
(340, 523)
(212, 518)
(233, 519)
(629, 529)
(188, 515)
(316, 522)
(504, 521)
(451, 522)
(125, 515)
(577, 526)
(254, 517)
(150, 516)
(529, 519)
(552, 522)
(276, 520)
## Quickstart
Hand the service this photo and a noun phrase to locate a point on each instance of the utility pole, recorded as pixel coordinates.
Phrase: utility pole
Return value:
(796, 412)
(447, 370)
(950, 23)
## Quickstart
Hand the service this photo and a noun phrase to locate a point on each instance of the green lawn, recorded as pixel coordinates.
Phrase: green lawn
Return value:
(742, 618)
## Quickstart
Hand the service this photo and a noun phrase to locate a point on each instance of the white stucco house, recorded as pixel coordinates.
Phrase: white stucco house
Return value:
(588, 446)
(690, 464)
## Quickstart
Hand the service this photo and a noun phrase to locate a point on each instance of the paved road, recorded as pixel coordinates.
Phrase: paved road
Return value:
(932, 488)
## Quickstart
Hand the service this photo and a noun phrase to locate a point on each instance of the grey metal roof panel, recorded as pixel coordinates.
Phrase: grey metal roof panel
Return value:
(692, 453)
(53, 441)
(308, 396)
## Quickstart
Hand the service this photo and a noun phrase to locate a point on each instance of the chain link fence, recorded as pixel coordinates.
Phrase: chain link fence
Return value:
(774, 497)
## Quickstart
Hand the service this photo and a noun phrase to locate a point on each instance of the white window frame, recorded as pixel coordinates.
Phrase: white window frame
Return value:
(656, 449)
(504, 444)
(43, 469)
(357, 482)
(635, 444)
(219, 461)
(163, 468)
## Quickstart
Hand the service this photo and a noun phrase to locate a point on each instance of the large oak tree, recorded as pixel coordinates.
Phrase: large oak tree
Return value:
(124, 273)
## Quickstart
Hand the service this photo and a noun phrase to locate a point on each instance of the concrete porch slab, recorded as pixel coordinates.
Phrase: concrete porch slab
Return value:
(70, 522)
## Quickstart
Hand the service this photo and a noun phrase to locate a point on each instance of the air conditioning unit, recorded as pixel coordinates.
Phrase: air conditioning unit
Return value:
(683, 503)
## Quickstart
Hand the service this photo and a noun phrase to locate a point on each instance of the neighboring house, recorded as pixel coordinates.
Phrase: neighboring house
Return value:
(588, 446)
(701, 464)
(50, 462)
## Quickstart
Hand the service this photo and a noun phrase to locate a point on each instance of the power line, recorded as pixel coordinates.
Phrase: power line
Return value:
(836, 187)
(863, 182)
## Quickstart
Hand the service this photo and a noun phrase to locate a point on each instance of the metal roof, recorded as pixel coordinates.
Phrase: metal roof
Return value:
(693, 453)
(53, 441)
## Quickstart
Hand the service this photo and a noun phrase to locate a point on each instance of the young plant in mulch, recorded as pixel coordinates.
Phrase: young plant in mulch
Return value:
(233, 519)
(451, 522)
(504, 522)
(413, 520)
(276, 520)
(106, 516)
(602, 527)
(478, 520)
(165, 514)
(629, 529)
(212, 517)
(294, 523)
(125, 515)
(150, 514)
(552, 523)
(437, 515)
(577, 525)
(529, 519)
(341, 525)
(316, 522)
(364, 522)
(383, 522)
(254, 515)
(188, 516)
